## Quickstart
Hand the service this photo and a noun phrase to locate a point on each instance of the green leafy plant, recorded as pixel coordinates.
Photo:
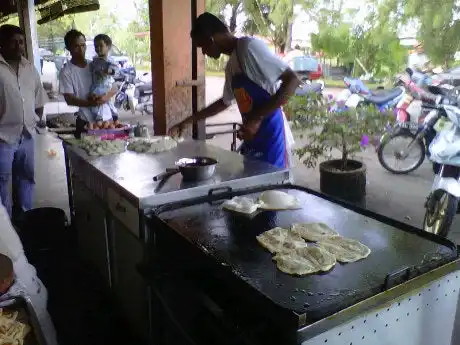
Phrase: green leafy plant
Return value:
(325, 129)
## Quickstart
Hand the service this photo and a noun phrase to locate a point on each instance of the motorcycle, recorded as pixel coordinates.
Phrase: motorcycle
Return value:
(443, 201)
(134, 94)
(357, 94)
(407, 131)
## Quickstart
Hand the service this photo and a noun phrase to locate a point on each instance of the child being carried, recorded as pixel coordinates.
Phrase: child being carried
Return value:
(103, 69)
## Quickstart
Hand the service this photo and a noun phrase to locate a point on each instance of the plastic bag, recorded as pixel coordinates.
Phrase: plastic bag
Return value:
(445, 147)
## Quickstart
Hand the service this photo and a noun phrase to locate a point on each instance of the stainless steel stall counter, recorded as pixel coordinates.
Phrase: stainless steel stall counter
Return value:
(107, 196)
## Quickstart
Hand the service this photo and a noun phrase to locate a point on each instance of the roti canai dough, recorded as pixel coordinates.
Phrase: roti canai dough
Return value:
(303, 261)
(278, 239)
(151, 145)
(345, 249)
(277, 200)
(241, 204)
(313, 232)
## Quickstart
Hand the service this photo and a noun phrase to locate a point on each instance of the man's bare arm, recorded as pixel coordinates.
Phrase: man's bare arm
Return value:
(289, 83)
(70, 99)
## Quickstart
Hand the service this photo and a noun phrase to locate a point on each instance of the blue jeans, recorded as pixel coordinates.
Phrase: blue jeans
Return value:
(17, 161)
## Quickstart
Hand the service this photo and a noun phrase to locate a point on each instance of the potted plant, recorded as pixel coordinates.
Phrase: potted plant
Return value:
(327, 129)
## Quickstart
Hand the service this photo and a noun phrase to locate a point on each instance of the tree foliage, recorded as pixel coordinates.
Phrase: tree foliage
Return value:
(439, 25)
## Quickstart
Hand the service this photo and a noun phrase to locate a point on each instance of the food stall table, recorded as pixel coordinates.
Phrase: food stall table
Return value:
(108, 194)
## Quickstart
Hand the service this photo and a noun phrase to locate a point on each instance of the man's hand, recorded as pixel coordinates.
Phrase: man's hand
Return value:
(249, 128)
(94, 101)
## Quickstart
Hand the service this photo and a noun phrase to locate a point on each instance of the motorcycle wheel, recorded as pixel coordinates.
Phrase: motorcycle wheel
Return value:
(441, 208)
(406, 135)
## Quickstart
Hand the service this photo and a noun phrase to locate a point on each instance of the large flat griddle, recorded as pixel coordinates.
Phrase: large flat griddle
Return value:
(398, 252)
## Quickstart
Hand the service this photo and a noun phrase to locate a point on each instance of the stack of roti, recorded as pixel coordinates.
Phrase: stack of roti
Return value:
(11, 330)
(274, 200)
(294, 256)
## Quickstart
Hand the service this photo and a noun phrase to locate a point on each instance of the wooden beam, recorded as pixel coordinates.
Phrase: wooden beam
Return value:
(178, 87)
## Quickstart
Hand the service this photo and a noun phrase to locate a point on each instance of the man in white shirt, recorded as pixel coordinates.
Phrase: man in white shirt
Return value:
(259, 81)
(418, 60)
(75, 80)
(22, 99)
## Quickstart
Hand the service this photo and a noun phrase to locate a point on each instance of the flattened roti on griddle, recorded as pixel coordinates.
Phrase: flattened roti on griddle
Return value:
(345, 249)
(279, 239)
(304, 261)
(313, 232)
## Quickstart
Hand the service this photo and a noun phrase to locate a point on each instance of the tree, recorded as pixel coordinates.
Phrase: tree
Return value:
(272, 19)
(439, 27)
(218, 7)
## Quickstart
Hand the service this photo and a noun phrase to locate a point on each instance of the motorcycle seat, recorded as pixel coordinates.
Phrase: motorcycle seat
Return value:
(384, 96)
(145, 89)
(308, 88)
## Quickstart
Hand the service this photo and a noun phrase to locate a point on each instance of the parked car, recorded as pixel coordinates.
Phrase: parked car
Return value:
(307, 67)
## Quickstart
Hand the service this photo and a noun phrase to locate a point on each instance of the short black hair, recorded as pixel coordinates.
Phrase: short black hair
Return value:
(7, 31)
(70, 36)
(206, 25)
(103, 37)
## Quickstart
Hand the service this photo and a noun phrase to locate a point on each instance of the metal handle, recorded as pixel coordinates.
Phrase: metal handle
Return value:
(167, 173)
(392, 278)
(222, 190)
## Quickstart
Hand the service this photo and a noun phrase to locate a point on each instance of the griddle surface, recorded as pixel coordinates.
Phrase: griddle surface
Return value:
(230, 239)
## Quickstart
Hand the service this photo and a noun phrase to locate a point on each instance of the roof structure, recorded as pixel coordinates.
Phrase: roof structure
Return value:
(49, 10)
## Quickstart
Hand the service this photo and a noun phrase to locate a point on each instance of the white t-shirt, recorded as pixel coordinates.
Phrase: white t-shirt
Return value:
(77, 81)
(260, 65)
(417, 61)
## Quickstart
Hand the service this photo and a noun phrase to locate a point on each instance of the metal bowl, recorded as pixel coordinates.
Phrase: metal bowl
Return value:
(196, 168)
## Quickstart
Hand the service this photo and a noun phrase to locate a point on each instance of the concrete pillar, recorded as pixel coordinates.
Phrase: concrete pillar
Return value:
(28, 22)
(177, 70)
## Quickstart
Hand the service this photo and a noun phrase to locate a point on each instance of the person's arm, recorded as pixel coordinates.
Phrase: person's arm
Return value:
(67, 90)
(110, 94)
(289, 83)
(40, 96)
(261, 64)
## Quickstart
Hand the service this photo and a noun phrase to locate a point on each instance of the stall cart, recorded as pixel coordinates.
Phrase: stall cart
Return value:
(108, 195)
(217, 285)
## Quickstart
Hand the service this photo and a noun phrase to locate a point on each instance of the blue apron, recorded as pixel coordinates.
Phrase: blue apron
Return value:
(269, 144)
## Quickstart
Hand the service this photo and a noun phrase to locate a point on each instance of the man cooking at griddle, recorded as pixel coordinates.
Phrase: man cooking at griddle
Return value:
(259, 81)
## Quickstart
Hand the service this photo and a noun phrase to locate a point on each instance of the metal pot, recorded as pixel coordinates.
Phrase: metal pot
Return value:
(192, 169)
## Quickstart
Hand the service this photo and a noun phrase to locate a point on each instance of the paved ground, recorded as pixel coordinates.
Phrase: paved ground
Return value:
(399, 197)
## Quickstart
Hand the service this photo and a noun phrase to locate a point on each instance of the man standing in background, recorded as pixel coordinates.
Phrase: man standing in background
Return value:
(22, 99)
(418, 60)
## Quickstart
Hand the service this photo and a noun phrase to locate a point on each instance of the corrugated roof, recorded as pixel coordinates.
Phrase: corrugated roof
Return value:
(49, 10)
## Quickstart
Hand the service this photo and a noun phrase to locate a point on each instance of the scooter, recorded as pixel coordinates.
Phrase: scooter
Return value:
(359, 94)
(134, 94)
(443, 200)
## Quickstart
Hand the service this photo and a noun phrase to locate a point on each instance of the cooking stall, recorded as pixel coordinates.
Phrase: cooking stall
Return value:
(107, 197)
(217, 285)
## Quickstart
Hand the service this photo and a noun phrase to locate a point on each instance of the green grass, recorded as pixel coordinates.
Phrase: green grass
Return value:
(215, 73)
(339, 84)
(333, 83)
